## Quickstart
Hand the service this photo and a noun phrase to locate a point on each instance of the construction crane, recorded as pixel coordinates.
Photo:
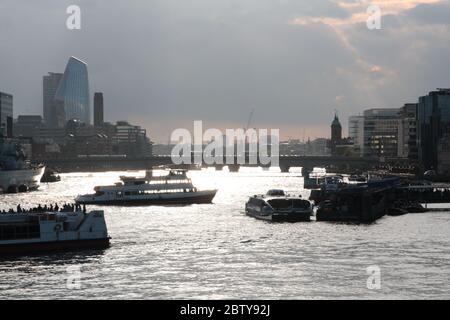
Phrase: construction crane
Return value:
(250, 119)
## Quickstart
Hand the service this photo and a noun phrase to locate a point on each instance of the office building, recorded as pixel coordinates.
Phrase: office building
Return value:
(6, 115)
(132, 140)
(356, 133)
(408, 132)
(27, 126)
(381, 132)
(433, 124)
(50, 84)
(98, 109)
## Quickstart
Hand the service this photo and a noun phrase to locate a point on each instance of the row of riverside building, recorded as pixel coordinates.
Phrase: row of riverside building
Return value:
(65, 130)
(418, 131)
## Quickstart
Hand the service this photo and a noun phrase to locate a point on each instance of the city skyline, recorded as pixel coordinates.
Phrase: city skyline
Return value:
(171, 78)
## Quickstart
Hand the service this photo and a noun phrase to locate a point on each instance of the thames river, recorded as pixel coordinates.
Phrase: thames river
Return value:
(216, 252)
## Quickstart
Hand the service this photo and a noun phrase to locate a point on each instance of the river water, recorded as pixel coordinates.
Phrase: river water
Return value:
(216, 252)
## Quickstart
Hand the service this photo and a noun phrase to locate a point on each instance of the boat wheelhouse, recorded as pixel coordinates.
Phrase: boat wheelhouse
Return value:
(174, 188)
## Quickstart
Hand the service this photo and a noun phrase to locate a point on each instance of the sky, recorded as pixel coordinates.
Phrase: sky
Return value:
(164, 63)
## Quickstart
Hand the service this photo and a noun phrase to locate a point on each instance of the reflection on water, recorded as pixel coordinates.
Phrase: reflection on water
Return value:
(215, 251)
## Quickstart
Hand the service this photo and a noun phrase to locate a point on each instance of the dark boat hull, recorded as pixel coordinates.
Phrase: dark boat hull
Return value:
(281, 217)
(338, 216)
(45, 247)
(291, 217)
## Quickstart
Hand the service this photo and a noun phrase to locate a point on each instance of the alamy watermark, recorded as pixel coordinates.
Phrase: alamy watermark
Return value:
(73, 278)
(73, 21)
(373, 22)
(374, 279)
(235, 146)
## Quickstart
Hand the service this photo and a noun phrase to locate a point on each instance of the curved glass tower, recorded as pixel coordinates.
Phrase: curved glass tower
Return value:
(72, 95)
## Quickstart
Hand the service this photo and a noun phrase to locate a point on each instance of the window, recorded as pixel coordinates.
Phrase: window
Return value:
(19, 231)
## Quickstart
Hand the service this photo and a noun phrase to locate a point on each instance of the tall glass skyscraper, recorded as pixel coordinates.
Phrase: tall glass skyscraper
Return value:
(72, 96)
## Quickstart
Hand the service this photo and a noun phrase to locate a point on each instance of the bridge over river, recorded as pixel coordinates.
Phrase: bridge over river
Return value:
(340, 163)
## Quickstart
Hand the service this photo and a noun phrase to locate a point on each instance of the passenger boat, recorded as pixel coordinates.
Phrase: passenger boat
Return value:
(277, 206)
(28, 233)
(173, 188)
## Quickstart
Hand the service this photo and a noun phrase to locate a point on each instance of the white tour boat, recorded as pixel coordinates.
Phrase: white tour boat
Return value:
(24, 233)
(173, 188)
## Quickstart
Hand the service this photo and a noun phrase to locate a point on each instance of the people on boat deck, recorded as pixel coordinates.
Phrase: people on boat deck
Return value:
(51, 208)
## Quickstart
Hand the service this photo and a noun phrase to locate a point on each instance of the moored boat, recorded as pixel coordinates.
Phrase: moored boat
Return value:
(50, 176)
(17, 174)
(277, 206)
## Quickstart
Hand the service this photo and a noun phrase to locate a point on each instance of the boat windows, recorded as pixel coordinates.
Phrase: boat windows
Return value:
(280, 204)
(286, 204)
(276, 193)
(301, 204)
(256, 202)
(19, 231)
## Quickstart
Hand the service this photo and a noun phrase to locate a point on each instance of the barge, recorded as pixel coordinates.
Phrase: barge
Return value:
(359, 203)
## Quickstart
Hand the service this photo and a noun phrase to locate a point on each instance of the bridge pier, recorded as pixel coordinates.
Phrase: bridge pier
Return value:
(344, 168)
(219, 167)
(234, 167)
(306, 170)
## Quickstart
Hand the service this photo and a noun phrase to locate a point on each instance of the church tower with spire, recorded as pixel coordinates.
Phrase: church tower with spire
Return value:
(336, 133)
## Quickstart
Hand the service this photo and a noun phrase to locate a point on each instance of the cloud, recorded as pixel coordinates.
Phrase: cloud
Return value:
(357, 11)
(438, 13)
